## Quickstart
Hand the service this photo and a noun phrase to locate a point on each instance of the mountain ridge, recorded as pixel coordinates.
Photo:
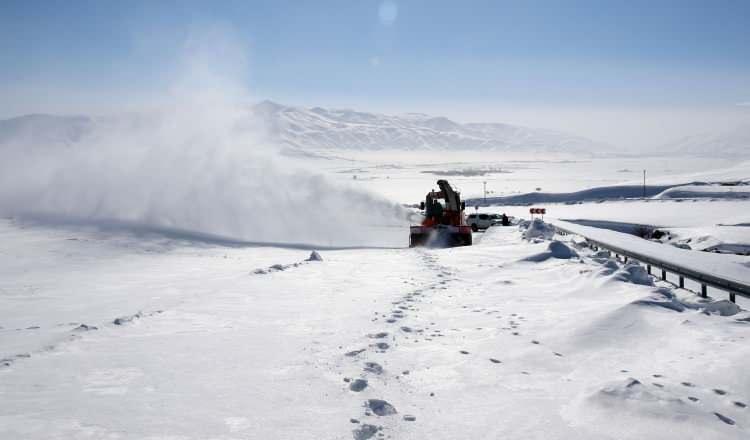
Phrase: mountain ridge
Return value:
(306, 130)
(320, 128)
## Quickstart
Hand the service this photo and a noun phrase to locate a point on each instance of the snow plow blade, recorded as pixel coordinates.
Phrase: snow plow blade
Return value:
(445, 236)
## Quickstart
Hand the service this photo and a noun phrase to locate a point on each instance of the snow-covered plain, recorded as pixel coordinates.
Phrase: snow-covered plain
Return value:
(184, 323)
(403, 176)
(120, 336)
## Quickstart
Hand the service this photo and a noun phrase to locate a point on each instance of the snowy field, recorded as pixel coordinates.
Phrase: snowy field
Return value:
(403, 176)
(112, 333)
(116, 337)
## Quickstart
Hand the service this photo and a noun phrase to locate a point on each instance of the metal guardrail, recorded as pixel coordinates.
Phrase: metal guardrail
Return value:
(704, 279)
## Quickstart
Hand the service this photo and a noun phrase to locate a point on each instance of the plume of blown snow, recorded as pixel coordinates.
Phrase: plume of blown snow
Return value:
(193, 164)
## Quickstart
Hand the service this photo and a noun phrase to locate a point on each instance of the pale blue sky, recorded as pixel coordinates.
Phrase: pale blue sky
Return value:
(559, 61)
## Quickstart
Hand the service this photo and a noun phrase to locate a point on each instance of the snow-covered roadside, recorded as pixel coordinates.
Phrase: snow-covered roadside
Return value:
(502, 339)
(699, 224)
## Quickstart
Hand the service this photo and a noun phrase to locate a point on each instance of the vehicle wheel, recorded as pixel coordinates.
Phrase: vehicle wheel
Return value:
(474, 227)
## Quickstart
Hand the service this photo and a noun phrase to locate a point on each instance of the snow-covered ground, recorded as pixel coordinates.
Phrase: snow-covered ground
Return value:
(403, 176)
(165, 305)
(112, 335)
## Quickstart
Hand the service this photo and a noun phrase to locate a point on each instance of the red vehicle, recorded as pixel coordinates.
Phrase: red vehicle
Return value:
(444, 224)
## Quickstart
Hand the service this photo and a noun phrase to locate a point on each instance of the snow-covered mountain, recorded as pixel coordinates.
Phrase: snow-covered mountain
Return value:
(320, 128)
(314, 129)
(732, 143)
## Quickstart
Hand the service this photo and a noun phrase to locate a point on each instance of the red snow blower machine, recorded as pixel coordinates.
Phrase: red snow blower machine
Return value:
(444, 224)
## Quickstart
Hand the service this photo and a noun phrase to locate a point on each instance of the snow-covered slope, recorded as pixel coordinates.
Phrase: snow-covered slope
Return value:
(320, 128)
(732, 143)
(706, 191)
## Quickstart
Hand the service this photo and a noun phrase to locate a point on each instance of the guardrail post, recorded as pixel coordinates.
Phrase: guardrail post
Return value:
(648, 269)
(732, 297)
(703, 290)
(682, 282)
(664, 274)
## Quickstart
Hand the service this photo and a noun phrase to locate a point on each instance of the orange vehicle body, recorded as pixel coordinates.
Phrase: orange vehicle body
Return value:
(444, 224)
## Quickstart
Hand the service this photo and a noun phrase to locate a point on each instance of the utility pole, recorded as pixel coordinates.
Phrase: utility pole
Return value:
(485, 192)
(644, 184)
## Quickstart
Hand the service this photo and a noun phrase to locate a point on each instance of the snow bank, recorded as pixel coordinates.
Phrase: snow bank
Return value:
(722, 307)
(728, 266)
(632, 396)
(706, 191)
(615, 192)
(667, 298)
(556, 249)
(634, 273)
(537, 229)
(664, 297)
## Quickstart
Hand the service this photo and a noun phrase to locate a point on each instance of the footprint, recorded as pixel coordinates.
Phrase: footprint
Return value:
(739, 404)
(688, 384)
(409, 417)
(495, 361)
(535, 342)
(657, 375)
(560, 354)
(719, 391)
(358, 385)
(382, 346)
(657, 385)
(85, 328)
(724, 418)
(381, 407)
(693, 399)
(464, 352)
(354, 352)
(365, 432)
(373, 367)
(379, 335)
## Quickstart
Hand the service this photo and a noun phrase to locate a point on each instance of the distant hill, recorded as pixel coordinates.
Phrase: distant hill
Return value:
(732, 143)
(319, 128)
(307, 130)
